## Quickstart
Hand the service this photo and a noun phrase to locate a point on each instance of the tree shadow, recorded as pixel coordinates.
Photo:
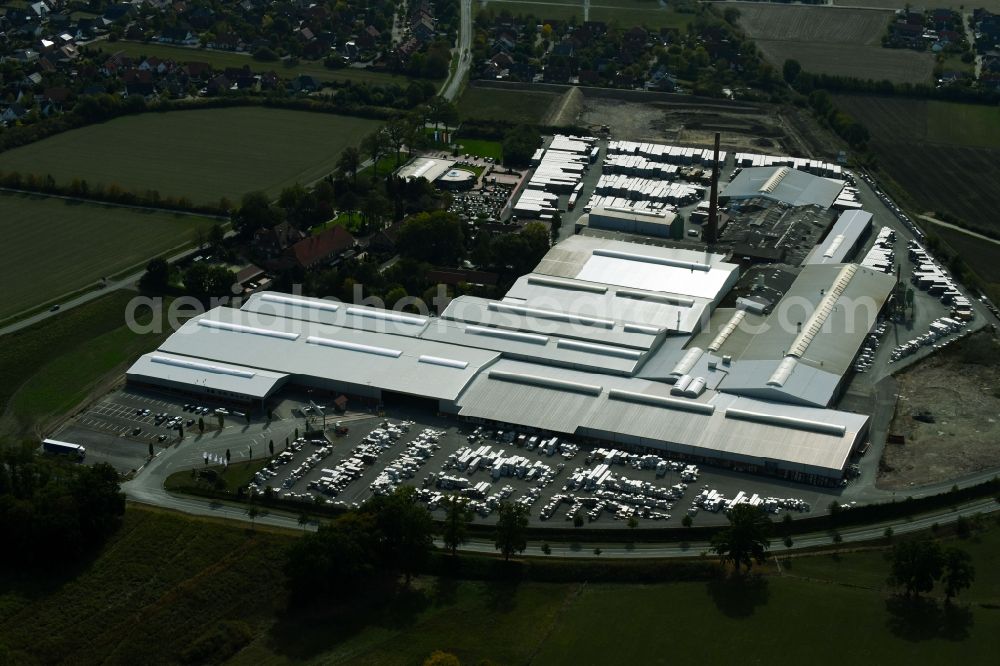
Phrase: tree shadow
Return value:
(919, 619)
(443, 591)
(739, 596)
(501, 594)
(302, 633)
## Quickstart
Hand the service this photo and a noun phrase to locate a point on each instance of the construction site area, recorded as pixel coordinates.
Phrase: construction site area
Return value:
(947, 421)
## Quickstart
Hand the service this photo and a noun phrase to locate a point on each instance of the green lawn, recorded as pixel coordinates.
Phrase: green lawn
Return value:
(481, 148)
(163, 586)
(557, 11)
(224, 59)
(516, 106)
(52, 366)
(64, 382)
(652, 19)
(52, 247)
(235, 475)
(963, 124)
(203, 154)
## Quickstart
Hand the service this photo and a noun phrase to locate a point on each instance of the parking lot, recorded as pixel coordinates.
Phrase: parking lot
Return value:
(556, 480)
(143, 418)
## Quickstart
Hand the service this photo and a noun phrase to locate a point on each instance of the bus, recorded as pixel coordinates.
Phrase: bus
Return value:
(64, 448)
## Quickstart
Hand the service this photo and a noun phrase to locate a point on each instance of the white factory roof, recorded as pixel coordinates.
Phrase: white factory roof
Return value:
(184, 370)
(353, 356)
(584, 320)
(643, 267)
(544, 349)
(846, 231)
(651, 310)
(780, 183)
(270, 305)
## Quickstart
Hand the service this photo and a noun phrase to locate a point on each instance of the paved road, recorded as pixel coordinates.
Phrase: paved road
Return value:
(463, 52)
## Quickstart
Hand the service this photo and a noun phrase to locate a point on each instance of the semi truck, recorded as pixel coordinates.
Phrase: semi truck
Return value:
(64, 448)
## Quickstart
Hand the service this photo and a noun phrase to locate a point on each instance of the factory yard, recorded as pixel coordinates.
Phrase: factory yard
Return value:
(949, 414)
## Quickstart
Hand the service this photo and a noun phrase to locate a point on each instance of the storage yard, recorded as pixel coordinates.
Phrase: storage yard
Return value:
(947, 416)
(552, 477)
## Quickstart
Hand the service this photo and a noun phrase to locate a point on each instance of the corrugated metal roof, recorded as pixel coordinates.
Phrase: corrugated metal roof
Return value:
(583, 318)
(676, 428)
(654, 309)
(353, 362)
(796, 188)
(846, 231)
(544, 349)
(185, 370)
(271, 305)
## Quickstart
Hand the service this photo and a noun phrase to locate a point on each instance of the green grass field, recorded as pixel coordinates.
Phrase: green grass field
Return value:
(516, 106)
(624, 13)
(58, 385)
(481, 148)
(224, 59)
(963, 124)
(163, 586)
(49, 367)
(203, 155)
(53, 247)
(557, 11)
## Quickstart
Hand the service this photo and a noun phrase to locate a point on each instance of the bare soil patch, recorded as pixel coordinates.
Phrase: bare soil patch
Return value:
(959, 390)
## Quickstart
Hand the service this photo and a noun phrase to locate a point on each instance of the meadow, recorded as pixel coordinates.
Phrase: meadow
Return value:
(54, 246)
(202, 154)
(226, 59)
(516, 106)
(171, 588)
(835, 41)
(50, 367)
(624, 13)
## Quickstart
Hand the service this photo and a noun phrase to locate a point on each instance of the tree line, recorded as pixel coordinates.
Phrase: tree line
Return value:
(54, 511)
(389, 536)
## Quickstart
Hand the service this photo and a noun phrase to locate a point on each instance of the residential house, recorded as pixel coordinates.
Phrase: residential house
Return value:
(178, 35)
(323, 249)
(277, 239)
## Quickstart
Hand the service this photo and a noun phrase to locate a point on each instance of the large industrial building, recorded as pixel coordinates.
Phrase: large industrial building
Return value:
(785, 185)
(606, 341)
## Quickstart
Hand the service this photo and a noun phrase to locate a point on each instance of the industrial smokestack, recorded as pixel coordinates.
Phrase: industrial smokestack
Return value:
(712, 227)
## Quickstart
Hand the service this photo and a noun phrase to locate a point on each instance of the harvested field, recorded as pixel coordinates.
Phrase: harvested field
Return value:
(82, 243)
(991, 5)
(835, 41)
(863, 62)
(928, 158)
(960, 388)
(814, 24)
